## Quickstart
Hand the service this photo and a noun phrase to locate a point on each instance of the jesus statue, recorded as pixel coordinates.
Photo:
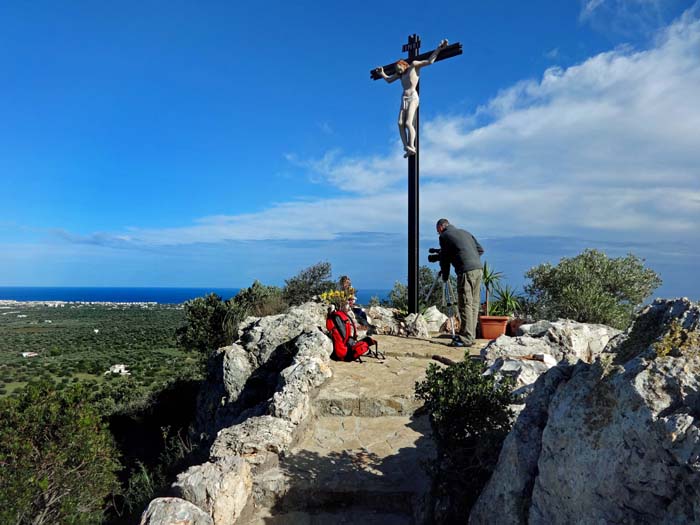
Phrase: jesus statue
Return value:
(409, 75)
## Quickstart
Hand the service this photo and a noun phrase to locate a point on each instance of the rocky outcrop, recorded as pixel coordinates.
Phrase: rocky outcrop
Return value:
(383, 321)
(434, 318)
(414, 325)
(389, 321)
(262, 336)
(525, 358)
(613, 441)
(166, 511)
(255, 404)
(221, 489)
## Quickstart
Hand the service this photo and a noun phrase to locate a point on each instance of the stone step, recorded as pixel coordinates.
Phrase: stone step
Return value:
(347, 516)
(368, 464)
(372, 388)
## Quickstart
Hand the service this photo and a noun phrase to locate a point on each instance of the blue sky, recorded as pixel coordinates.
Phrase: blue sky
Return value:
(213, 143)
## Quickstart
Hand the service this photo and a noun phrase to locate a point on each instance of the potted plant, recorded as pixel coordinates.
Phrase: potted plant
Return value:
(509, 303)
(492, 326)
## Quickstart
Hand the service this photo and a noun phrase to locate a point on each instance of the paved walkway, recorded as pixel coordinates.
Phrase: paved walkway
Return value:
(363, 459)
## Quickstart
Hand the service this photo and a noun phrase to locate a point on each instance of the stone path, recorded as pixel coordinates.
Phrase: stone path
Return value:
(363, 458)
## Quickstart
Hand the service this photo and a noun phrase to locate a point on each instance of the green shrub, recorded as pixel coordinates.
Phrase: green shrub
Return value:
(261, 300)
(58, 461)
(309, 282)
(470, 416)
(204, 329)
(398, 296)
(211, 323)
(591, 288)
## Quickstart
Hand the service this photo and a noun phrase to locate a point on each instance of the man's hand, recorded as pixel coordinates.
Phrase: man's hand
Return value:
(380, 70)
(442, 44)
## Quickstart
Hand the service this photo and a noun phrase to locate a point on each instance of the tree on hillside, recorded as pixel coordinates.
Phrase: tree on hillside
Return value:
(309, 282)
(591, 288)
(58, 461)
(205, 320)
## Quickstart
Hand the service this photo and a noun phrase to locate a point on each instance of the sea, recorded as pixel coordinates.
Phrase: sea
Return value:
(136, 295)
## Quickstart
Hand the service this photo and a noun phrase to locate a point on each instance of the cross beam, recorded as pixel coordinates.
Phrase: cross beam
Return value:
(412, 47)
(450, 51)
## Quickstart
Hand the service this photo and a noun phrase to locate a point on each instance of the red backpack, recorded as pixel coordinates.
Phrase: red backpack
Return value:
(344, 336)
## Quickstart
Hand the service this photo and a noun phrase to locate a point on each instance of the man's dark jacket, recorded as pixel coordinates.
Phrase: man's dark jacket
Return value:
(460, 248)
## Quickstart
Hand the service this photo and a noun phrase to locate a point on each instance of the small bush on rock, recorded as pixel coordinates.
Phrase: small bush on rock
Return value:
(260, 300)
(591, 288)
(471, 416)
(211, 322)
(309, 282)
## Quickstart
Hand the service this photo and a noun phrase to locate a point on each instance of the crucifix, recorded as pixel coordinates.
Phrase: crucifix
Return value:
(408, 72)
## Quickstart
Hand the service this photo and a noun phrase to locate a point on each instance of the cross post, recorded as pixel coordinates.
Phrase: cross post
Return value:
(413, 47)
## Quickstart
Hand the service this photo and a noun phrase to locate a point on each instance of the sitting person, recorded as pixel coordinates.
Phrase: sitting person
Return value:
(356, 313)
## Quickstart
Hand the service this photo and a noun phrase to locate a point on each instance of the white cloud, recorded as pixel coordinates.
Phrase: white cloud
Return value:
(609, 147)
(626, 17)
(356, 175)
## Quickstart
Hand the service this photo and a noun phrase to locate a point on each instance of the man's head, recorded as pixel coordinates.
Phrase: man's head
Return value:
(401, 66)
(441, 225)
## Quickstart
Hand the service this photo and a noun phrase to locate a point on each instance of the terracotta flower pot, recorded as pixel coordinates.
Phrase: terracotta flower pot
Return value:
(493, 326)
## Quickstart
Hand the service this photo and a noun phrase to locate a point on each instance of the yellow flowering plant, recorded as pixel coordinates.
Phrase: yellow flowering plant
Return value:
(341, 299)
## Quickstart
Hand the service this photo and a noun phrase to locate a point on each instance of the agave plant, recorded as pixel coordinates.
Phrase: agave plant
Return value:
(507, 302)
(490, 280)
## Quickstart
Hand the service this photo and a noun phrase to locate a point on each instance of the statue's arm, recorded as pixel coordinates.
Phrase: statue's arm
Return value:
(433, 56)
(386, 77)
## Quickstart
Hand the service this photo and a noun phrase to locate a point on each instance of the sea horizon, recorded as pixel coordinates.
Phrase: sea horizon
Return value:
(136, 294)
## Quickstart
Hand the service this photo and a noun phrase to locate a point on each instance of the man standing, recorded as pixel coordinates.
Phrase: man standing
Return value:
(410, 76)
(460, 249)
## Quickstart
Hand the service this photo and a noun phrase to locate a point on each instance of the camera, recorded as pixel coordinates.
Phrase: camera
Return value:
(434, 255)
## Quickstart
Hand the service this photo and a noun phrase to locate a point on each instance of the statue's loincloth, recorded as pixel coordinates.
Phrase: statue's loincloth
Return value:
(407, 99)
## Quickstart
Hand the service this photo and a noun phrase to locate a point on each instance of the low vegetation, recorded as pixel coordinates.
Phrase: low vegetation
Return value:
(471, 416)
(591, 288)
(212, 322)
(58, 459)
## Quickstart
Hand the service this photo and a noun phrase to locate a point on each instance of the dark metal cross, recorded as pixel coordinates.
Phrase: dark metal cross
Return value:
(412, 47)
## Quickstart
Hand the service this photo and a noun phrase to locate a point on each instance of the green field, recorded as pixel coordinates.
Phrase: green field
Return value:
(79, 342)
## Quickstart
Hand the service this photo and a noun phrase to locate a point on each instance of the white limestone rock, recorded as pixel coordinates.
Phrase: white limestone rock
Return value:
(434, 319)
(523, 372)
(414, 325)
(221, 489)
(263, 336)
(383, 321)
(236, 369)
(171, 511)
(616, 441)
(526, 357)
(252, 438)
(305, 374)
(314, 344)
(291, 405)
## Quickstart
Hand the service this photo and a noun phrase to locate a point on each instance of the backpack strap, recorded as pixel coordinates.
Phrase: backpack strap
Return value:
(339, 323)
